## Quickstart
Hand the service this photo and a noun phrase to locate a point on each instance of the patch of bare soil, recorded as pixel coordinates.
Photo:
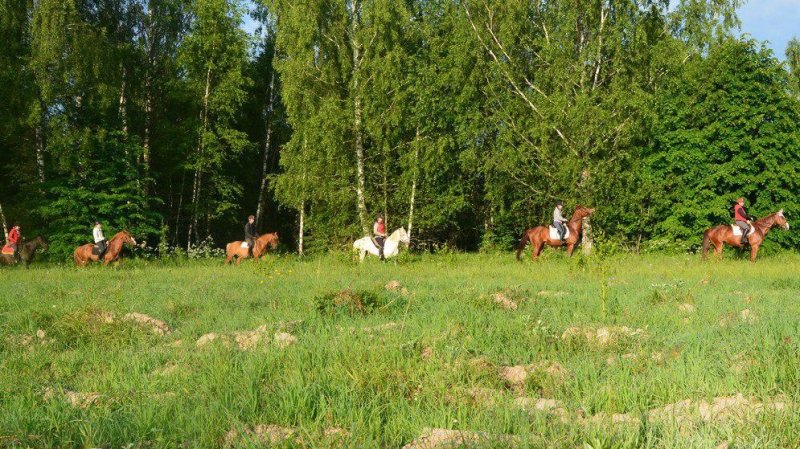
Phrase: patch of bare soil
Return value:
(168, 369)
(396, 286)
(28, 341)
(250, 339)
(552, 294)
(210, 337)
(717, 409)
(157, 326)
(450, 439)
(76, 399)
(748, 316)
(426, 353)
(686, 308)
(503, 301)
(516, 376)
(284, 339)
(542, 405)
(601, 336)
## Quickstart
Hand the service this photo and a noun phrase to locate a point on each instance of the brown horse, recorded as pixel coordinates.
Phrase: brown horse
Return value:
(722, 234)
(259, 249)
(26, 253)
(540, 235)
(83, 254)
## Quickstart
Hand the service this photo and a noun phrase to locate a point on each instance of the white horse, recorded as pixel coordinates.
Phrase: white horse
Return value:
(391, 247)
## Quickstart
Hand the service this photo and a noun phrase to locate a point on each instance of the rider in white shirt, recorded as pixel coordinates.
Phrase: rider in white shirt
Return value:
(99, 239)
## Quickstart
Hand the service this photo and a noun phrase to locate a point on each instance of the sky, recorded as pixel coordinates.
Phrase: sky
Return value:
(773, 21)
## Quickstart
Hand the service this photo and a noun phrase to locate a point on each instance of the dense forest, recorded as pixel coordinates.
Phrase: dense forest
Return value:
(461, 120)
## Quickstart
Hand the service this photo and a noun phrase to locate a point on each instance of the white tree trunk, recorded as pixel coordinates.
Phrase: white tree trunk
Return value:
(300, 248)
(267, 142)
(198, 175)
(40, 144)
(123, 103)
(413, 185)
(359, 144)
(148, 92)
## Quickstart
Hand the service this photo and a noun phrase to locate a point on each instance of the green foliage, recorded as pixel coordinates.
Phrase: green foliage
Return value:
(107, 189)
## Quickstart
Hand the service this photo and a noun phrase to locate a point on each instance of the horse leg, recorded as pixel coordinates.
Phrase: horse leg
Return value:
(362, 255)
(718, 249)
(536, 249)
(570, 248)
(753, 252)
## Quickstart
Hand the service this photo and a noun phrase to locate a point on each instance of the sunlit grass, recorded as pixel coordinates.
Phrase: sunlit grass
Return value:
(405, 362)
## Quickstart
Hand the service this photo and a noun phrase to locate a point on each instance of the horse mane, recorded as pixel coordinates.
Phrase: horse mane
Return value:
(119, 235)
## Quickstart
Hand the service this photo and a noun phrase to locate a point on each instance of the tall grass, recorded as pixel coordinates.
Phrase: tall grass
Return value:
(384, 384)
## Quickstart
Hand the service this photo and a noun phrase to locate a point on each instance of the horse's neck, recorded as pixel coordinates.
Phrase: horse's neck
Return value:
(116, 242)
(576, 223)
(765, 224)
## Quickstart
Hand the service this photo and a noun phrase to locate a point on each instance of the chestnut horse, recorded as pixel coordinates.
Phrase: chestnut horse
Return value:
(26, 252)
(259, 249)
(83, 254)
(722, 234)
(540, 235)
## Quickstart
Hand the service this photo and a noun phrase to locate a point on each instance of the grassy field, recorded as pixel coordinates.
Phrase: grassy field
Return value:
(634, 351)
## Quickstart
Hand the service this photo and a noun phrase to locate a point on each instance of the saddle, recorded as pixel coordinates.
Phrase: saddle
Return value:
(554, 233)
(96, 251)
(737, 231)
(244, 245)
(9, 250)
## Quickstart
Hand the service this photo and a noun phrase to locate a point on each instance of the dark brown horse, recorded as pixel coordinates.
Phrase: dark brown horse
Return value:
(540, 235)
(259, 249)
(26, 253)
(83, 254)
(723, 234)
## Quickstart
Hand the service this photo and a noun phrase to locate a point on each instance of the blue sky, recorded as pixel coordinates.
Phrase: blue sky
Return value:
(774, 21)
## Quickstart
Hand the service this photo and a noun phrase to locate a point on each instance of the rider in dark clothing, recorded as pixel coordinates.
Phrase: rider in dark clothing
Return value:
(379, 231)
(250, 234)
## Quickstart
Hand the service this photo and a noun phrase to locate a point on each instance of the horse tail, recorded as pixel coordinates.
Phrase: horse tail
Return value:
(706, 243)
(522, 242)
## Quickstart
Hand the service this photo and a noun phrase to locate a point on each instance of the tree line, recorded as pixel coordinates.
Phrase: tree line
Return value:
(463, 121)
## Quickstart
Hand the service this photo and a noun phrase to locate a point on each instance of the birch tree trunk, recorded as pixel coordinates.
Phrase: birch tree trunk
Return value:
(198, 175)
(413, 185)
(359, 143)
(300, 247)
(587, 242)
(267, 142)
(123, 103)
(41, 126)
(148, 93)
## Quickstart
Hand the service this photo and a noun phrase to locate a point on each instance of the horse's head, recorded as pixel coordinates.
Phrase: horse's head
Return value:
(273, 241)
(780, 220)
(402, 236)
(581, 212)
(127, 238)
(42, 242)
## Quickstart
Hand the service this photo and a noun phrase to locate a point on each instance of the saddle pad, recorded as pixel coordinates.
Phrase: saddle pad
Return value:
(554, 233)
(244, 245)
(8, 250)
(738, 231)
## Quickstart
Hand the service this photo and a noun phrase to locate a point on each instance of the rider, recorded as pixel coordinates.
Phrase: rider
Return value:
(250, 234)
(14, 238)
(379, 231)
(559, 220)
(99, 240)
(742, 219)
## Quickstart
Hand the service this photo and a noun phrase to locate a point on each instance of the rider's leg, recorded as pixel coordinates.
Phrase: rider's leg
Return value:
(381, 241)
(745, 230)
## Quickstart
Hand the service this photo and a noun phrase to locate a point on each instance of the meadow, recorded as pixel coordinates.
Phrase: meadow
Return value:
(429, 351)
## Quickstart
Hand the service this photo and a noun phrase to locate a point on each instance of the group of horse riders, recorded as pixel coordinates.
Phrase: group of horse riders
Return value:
(742, 219)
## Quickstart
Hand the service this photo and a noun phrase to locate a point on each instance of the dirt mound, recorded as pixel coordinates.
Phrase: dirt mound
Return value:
(601, 336)
(250, 339)
(210, 337)
(74, 398)
(552, 294)
(284, 339)
(748, 316)
(686, 308)
(451, 439)
(395, 286)
(261, 434)
(28, 341)
(717, 409)
(348, 301)
(158, 327)
(516, 376)
(503, 301)
(426, 353)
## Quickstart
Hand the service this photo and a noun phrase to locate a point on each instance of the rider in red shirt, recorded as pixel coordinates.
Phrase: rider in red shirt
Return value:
(379, 231)
(14, 237)
(742, 219)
